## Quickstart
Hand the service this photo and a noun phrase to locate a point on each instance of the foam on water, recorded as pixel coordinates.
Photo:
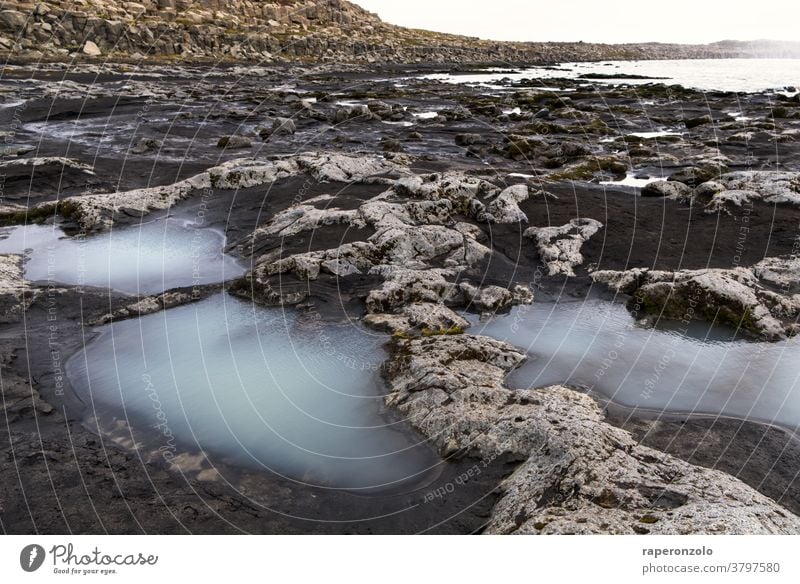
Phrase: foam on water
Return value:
(597, 345)
(632, 181)
(254, 386)
(140, 259)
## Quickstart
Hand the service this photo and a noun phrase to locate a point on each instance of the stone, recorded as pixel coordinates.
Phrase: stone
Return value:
(736, 188)
(232, 142)
(663, 188)
(489, 299)
(469, 139)
(283, 126)
(782, 273)
(505, 207)
(560, 247)
(146, 145)
(732, 297)
(13, 19)
(91, 49)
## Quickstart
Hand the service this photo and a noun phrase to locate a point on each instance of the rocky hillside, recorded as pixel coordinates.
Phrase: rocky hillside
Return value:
(276, 30)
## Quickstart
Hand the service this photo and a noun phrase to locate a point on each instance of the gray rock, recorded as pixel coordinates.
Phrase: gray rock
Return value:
(735, 188)
(505, 207)
(489, 299)
(560, 247)
(232, 142)
(469, 139)
(733, 297)
(283, 126)
(577, 474)
(662, 188)
(146, 145)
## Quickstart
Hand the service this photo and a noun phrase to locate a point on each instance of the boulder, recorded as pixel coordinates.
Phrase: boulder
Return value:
(662, 188)
(560, 247)
(505, 207)
(12, 20)
(283, 126)
(732, 297)
(91, 49)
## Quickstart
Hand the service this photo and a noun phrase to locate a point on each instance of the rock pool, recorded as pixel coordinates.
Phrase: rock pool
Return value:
(596, 345)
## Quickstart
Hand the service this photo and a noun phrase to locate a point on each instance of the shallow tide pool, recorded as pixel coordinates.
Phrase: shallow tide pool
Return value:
(597, 346)
(256, 387)
(140, 259)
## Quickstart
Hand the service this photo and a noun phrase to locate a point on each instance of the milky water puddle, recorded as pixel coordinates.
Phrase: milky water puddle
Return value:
(254, 387)
(597, 346)
(141, 259)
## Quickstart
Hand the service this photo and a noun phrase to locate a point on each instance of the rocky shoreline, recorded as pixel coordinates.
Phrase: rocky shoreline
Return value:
(344, 196)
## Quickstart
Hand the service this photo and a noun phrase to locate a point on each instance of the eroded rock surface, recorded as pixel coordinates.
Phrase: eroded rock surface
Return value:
(733, 297)
(560, 247)
(577, 474)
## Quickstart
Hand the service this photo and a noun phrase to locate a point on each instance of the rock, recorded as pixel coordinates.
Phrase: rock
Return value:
(560, 247)
(489, 299)
(13, 20)
(576, 473)
(782, 273)
(695, 175)
(391, 145)
(662, 188)
(91, 49)
(403, 287)
(231, 142)
(346, 113)
(542, 114)
(431, 318)
(469, 139)
(12, 284)
(147, 305)
(283, 126)
(146, 145)
(732, 297)
(698, 121)
(505, 207)
(734, 189)
(303, 217)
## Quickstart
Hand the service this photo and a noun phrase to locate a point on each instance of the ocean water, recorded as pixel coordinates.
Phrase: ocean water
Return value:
(256, 387)
(141, 259)
(596, 345)
(747, 75)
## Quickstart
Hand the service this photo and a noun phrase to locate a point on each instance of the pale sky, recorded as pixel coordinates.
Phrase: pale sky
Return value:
(610, 21)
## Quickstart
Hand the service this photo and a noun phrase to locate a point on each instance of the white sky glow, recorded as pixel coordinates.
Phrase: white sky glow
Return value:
(608, 21)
